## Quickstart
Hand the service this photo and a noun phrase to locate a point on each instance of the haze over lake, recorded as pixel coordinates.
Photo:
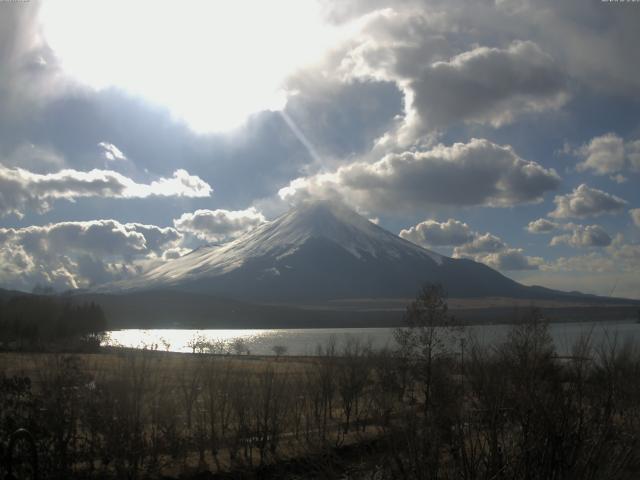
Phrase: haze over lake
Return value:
(305, 341)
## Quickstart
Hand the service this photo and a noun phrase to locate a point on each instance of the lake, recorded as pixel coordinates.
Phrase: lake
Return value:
(305, 341)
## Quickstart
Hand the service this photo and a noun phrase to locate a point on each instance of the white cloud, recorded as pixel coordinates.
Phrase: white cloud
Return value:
(111, 152)
(585, 201)
(486, 243)
(583, 236)
(494, 252)
(433, 233)
(80, 254)
(510, 259)
(635, 216)
(173, 253)
(22, 189)
(618, 178)
(484, 248)
(541, 225)
(591, 262)
(632, 150)
(608, 154)
(604, 154)
(476, 173)
(219, 225)
(619, 256)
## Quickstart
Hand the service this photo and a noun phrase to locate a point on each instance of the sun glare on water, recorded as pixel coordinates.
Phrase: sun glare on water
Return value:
(212, 63)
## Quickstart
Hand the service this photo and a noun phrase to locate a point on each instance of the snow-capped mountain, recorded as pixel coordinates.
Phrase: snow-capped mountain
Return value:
(321, 251)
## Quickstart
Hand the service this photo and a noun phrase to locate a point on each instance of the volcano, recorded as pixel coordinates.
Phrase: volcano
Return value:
(324, 251)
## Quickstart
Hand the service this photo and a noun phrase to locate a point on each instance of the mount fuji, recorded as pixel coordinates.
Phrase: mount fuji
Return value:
(323, 251)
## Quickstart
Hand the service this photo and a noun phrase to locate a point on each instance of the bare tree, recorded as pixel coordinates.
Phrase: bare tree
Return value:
(279, 350)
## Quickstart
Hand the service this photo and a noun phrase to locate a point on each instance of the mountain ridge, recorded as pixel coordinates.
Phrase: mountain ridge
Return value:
(322, 251)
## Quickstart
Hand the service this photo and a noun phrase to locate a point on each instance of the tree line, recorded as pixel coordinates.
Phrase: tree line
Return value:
(40, 321)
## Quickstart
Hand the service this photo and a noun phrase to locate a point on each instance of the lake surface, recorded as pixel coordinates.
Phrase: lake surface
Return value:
(306, 341)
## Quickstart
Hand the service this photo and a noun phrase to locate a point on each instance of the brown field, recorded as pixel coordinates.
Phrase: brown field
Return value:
(109, 362)
(513, 410)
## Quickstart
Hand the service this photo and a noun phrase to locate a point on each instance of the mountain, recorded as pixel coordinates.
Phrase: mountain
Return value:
(323, 251)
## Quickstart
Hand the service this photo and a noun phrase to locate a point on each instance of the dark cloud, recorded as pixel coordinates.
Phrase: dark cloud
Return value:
(585, 201)
(341, 119)
(593, 41)
(475, 173)
(489, 85)
(449, 78)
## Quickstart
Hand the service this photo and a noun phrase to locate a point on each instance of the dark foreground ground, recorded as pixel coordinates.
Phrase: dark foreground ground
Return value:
(510, 411)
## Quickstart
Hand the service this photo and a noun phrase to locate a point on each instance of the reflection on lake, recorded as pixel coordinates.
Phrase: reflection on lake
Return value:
(305, 341)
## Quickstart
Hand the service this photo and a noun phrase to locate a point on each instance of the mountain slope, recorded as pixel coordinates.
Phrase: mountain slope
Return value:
(322, 251)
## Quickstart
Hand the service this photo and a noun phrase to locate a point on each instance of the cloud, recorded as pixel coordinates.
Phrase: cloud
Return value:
(173, 253)
(22, 189)
(541, 225)
(446, 77)
(591, 262)
(609, 271)
(592, 42)
(487, 62)
(484, 248)
(510, 259)
(635, 216)
(632, 150)
(476, 173)
(111, 152)
(489, 85)
(608, 154)
(618, 256)
(341, 118)
(433, 233)
(583, 236)
(494, 252)
(30, 73)
(219, 225)
(585, 201)
(486, 243)
(626, 253)
(618, 178)
(32, 157)
(80, 254)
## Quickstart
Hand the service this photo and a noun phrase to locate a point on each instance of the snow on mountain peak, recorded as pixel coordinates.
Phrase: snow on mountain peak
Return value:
(276, 240)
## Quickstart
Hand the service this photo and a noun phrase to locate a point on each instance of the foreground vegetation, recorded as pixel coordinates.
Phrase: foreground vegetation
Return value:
(438, 406)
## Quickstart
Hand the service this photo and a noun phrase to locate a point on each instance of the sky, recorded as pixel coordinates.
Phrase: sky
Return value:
(504, 131)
